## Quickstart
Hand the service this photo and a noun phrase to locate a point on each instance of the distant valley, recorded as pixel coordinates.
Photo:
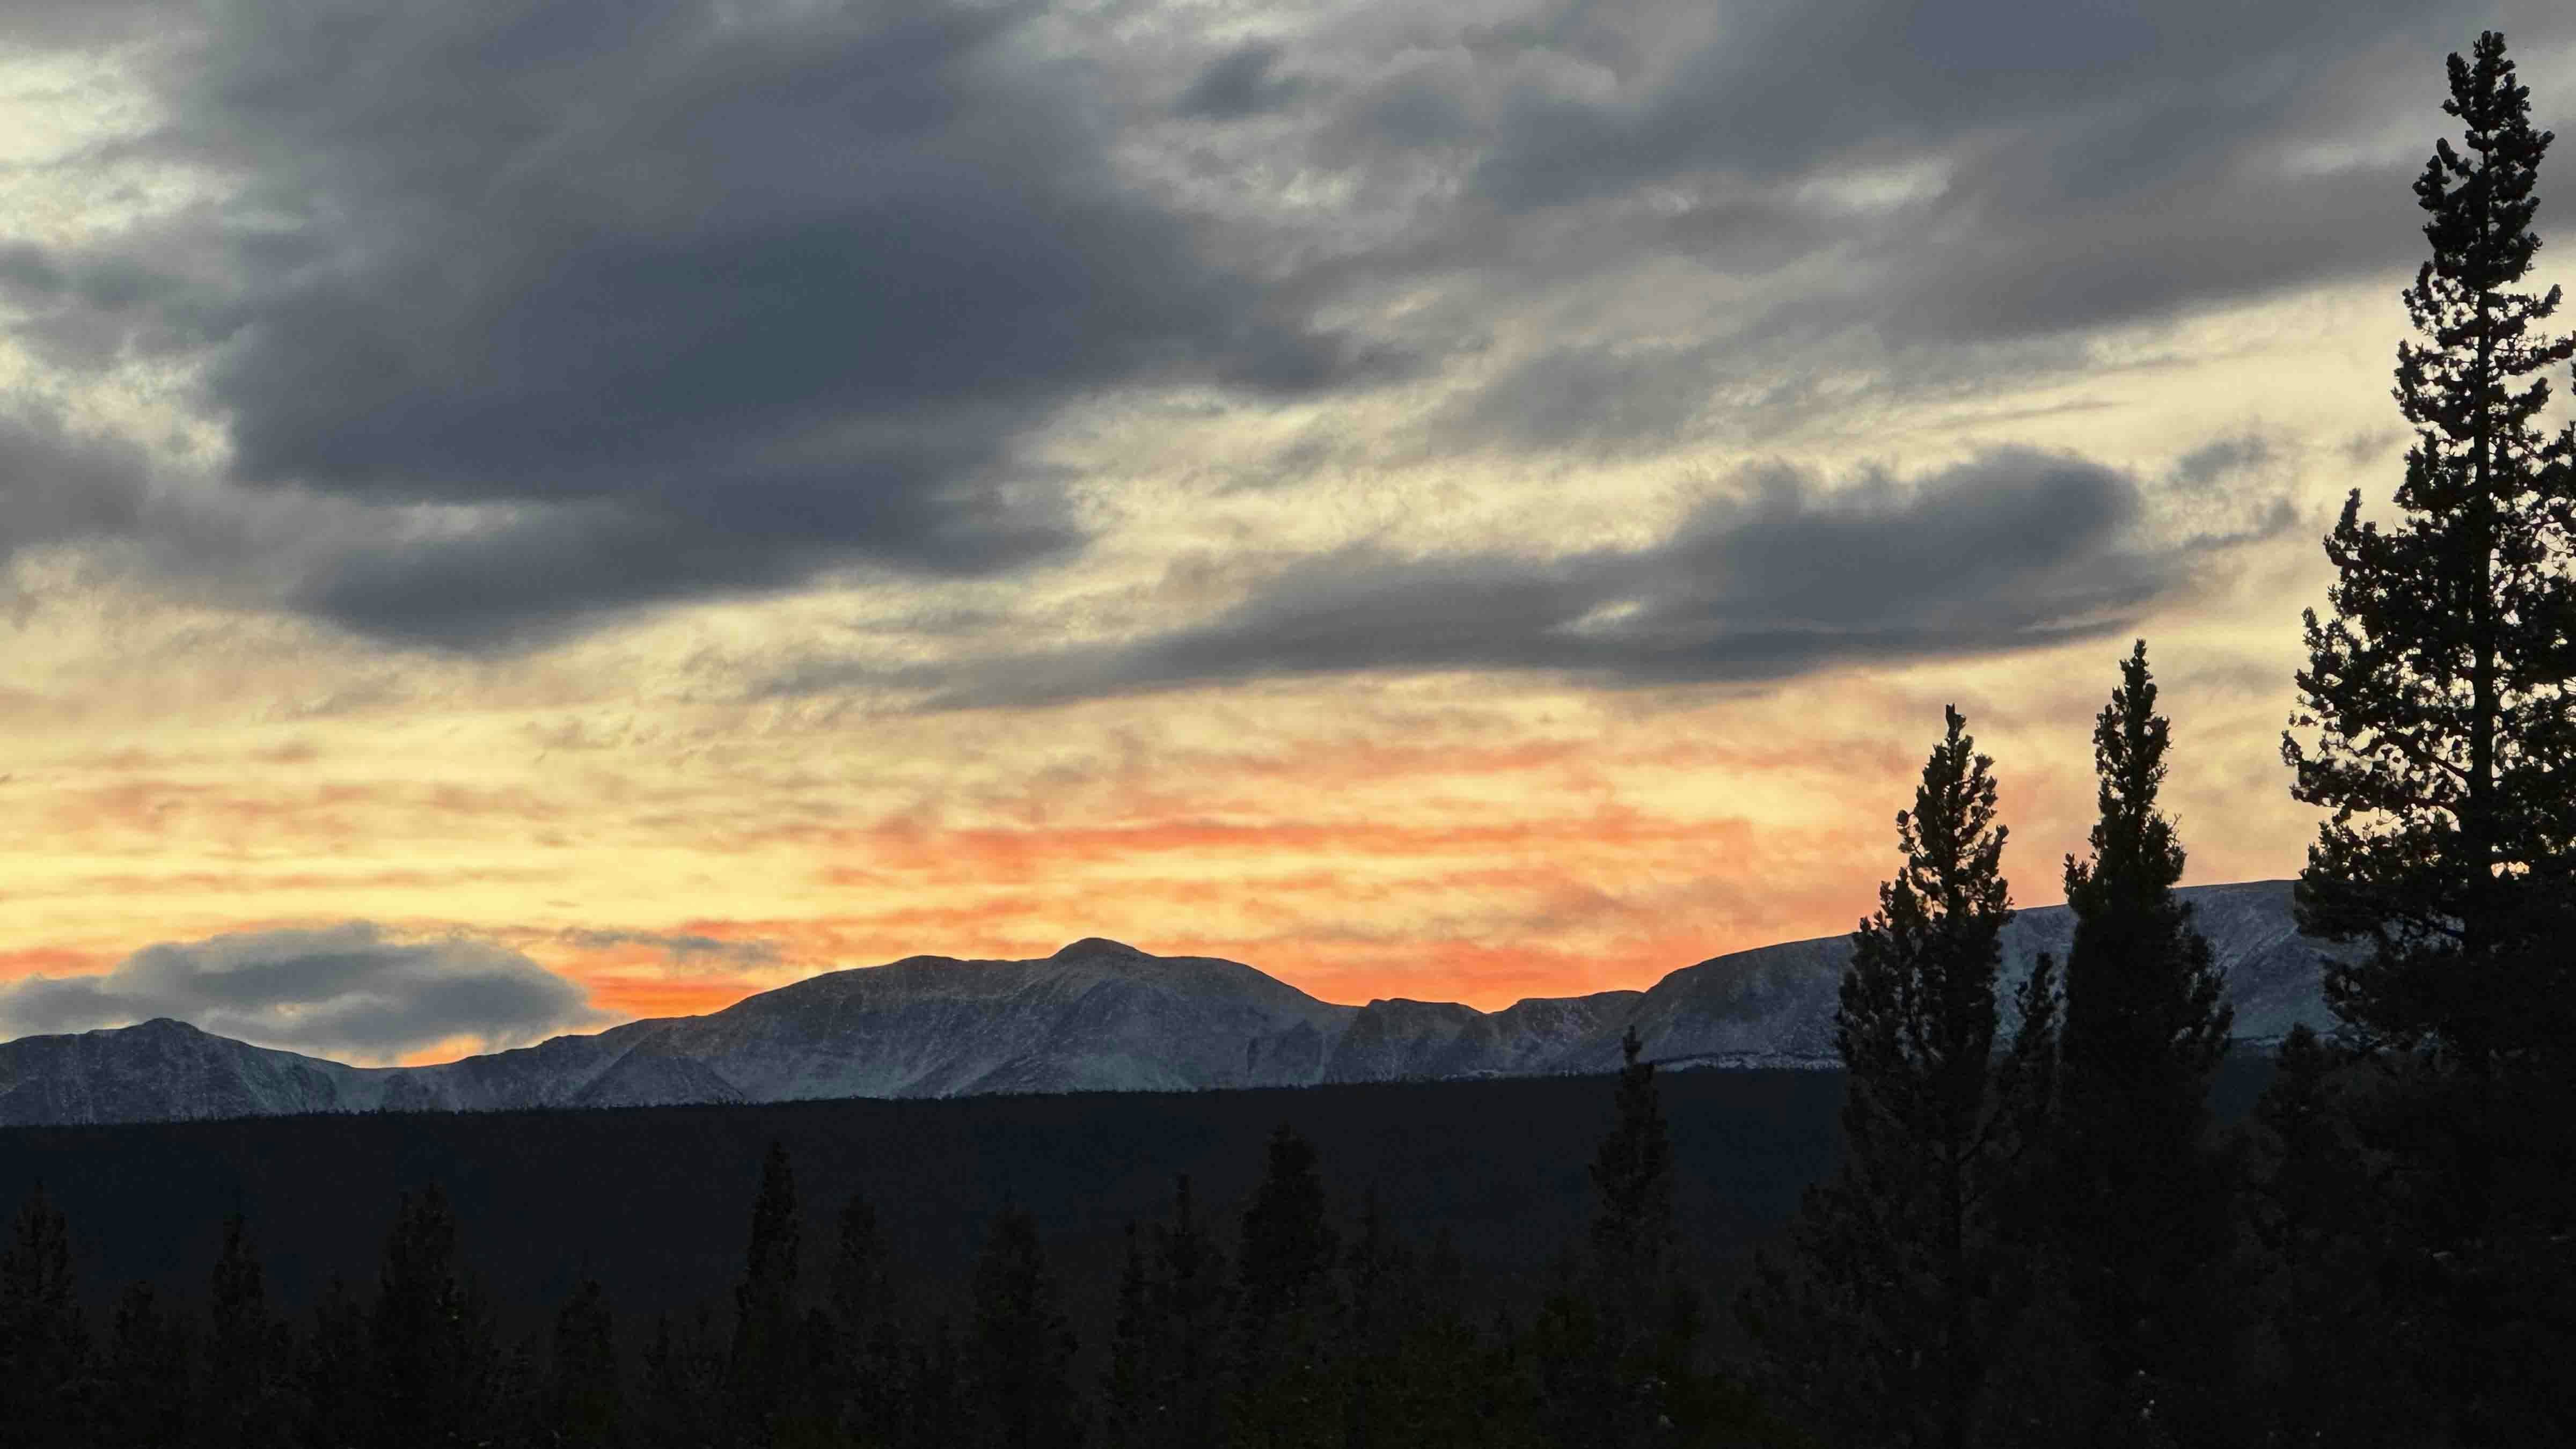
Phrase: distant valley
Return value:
(1095, 1016)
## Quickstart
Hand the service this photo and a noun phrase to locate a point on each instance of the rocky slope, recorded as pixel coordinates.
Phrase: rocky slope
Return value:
(1095, 1016)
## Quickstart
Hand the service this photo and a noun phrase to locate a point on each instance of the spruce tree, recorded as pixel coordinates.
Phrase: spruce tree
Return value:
(1645, 1317)
(584, 1399)
(684, 1400)
(1448, 1392)
(44, 1340)
(1881, 1331)
(761, 1370)
(1378, 1313)
(1284, 1307)
(335, 1396)
(433, 1361)
(2308, 1212)
(145, 1371)
(1131, 1403)
(1574, 1392)
(2141, 1202)
(867, 1345)
(1020, 1360)
(1191, 1310)
(932, 1410)
(247, 1349)
(2445, 735)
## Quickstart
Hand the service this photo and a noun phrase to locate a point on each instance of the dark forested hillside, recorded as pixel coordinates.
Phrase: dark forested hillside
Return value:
(653, 1199)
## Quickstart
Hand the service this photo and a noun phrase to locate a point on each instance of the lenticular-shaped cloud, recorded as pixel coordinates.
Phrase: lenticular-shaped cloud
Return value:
(2016, 549)
(344, 992)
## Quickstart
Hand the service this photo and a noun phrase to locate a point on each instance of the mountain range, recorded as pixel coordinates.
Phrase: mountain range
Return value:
(1095, 1016)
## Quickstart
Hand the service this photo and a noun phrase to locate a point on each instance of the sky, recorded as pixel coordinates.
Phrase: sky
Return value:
(521, 514)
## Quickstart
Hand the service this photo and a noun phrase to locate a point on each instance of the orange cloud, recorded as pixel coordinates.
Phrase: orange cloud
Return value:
(52, 961)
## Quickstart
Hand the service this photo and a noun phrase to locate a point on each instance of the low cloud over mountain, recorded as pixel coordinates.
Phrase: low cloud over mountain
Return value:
(344, 991)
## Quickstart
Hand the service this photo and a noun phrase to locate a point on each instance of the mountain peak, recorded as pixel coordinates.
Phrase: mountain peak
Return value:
(1096, 946)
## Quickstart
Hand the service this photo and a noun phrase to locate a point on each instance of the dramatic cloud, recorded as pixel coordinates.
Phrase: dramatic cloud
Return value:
(567, 468)
(693, 300)
(344, 992)
(1237, 84)
(603, 305)
(2018, 549)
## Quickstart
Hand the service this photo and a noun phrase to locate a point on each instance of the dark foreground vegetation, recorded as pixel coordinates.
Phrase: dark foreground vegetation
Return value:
(126, 1292)
(2041, 1227)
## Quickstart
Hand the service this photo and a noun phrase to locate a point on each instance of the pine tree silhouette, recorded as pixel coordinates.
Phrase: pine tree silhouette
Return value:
(336, 1403)
(248, 1350)
(1131, 1402)
(45, 1391)
(2310, 1211)
(1379, 1309)
(1020, 1365)
(1190, 1315)
(867, 1350)
(762, 1371)
(1647, 1315)
(433, 1360)
(684, 1392)
(1882, 1329)
(2442, 694)
(585, 1400)
(2140, 1197)
(145, 1373)
(1284, 1374)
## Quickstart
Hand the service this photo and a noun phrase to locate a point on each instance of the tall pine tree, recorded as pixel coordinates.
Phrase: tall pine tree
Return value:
(762, 1370)
(145, 1373)
(2440, 694)
(335, 1402)
(584, 1399)
(1130, 1405)
(1192, 1306)
(433, 1360)
(2308, 1212)
(2142, 1213)
(247, 1349)
(1647, 1317)
(1284, 1374)
(866, 1355)
(1881, 1331)
(44, 1340)
(1020, 1360)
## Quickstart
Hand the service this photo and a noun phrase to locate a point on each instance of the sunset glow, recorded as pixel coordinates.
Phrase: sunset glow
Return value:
(1412, 557)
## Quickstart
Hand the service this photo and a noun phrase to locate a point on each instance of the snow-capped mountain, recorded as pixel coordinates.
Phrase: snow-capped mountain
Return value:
(1094, 1016)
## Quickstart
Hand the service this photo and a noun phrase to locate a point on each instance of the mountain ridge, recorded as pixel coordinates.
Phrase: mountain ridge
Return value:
(1096, 1015)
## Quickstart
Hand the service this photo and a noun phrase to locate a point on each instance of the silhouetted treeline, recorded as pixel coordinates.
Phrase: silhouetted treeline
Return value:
(2047, 1225)
(1306, 1319)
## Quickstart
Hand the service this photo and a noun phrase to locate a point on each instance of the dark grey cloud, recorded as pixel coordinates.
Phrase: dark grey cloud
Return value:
(1242, 82)
(706, 298)
(345, 992)
(2076, 167)
(57, 485)
(701, 299)
(1784, 88)
(42, 25)
(2013, 550)
(2220, 459)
